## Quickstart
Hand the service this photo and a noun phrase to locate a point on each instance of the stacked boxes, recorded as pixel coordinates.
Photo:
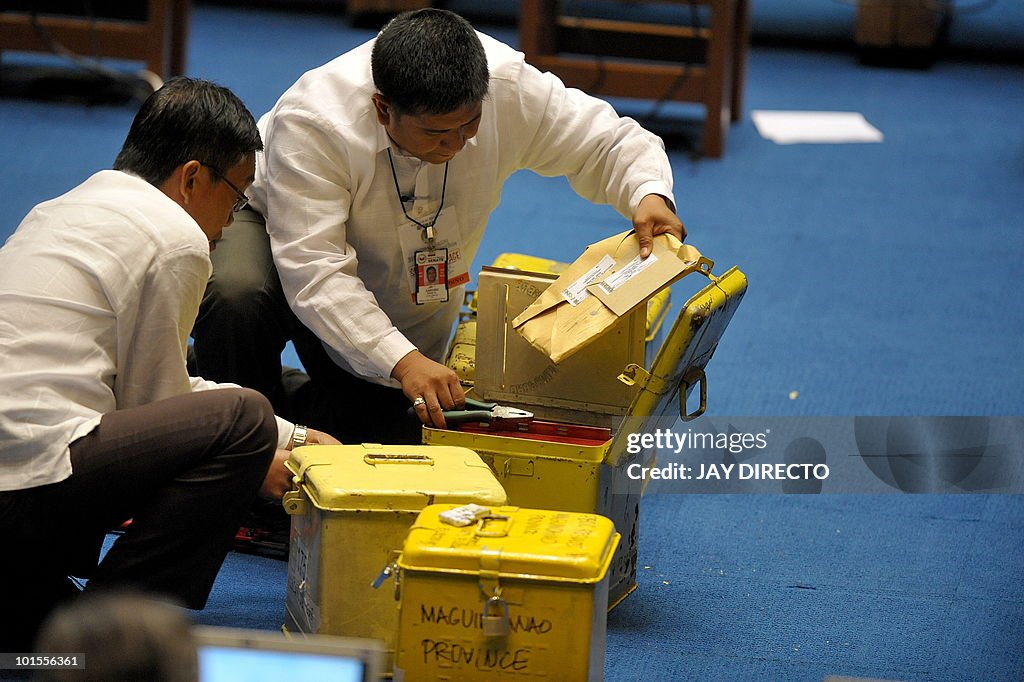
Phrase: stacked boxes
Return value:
(351, 511)
(523, 591)
(567, 465)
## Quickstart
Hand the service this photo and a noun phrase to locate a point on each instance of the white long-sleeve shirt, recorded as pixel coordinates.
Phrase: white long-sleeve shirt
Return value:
(99, 289)
(325, 185)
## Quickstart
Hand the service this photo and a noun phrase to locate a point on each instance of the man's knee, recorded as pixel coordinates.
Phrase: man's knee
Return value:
(243, 267)
(247, 303)
(254, 421)
(237, 290)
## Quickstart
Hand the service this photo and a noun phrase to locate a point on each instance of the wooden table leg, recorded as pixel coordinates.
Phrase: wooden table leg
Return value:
(740, 47)
(718, 84)
(181, 15)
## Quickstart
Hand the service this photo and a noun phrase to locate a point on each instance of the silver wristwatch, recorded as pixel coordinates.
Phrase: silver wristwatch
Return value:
(299, 435)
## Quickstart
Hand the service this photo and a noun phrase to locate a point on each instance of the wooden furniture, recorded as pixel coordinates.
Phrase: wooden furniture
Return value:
(384, 6)
(898, 23)
(159, 40)
(648, 60)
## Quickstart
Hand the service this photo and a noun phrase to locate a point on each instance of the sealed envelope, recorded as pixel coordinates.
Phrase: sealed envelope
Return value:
(602, 285)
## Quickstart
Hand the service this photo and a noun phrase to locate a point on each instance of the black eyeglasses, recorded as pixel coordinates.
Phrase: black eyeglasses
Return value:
(242, 201)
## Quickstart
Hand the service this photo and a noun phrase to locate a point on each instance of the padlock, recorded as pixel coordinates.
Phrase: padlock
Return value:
(496, 624)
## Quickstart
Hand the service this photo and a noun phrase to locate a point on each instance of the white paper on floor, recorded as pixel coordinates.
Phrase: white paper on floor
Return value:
(820, 127)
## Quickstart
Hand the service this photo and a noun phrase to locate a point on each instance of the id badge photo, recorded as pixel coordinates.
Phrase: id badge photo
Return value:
(431, 276)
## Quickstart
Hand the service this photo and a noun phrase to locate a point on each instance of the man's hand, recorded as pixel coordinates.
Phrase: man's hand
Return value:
(655, 216)
(314, 437)
(278, 480)
(439, 387)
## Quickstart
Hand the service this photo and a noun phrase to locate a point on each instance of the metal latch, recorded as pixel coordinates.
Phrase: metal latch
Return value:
(706, 265)
(629, 375)
(634, 374)
(295, 503)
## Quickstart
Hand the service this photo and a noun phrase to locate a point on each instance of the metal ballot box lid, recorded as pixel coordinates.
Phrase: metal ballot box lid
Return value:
(679, 366)
(371, 477)
(510, 542)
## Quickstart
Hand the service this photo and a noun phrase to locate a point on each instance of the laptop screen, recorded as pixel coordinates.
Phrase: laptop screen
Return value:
(231, 655)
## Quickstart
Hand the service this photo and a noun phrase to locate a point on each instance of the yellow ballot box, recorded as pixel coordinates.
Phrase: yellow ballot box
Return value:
(518, 594)
(350, 510)
(570, 464)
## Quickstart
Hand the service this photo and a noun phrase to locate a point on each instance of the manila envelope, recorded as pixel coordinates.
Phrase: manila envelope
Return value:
(600, 286)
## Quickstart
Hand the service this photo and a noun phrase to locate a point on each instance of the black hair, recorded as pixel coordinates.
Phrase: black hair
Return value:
(429, 61)
(188, 119)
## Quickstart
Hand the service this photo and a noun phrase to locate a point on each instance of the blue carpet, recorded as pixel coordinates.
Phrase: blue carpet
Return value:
(797, 588)
(883, 281)
(911, 588)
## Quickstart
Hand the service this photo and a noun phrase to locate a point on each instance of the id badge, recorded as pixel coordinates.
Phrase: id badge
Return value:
(414, 241)
(431, 276)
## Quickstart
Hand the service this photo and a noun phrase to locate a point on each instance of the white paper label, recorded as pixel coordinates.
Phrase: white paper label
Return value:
(577, 292)
(628, 272)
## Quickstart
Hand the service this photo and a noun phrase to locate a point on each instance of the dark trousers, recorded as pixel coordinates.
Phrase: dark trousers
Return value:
(243, 325)
(185, 470)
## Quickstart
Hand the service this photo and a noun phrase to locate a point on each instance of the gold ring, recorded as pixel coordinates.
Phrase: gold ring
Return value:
(419, 401)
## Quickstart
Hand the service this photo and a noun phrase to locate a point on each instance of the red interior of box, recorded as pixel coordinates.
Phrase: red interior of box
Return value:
(555, 432)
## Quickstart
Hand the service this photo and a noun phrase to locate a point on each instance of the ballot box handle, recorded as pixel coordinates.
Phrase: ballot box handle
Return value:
(694, 376)
(375, 458)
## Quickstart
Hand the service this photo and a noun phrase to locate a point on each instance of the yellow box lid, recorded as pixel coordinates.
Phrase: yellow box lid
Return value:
(512, 542)
(392, 477)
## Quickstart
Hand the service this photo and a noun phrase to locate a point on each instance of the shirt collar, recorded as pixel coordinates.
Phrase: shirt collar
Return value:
(383, 141)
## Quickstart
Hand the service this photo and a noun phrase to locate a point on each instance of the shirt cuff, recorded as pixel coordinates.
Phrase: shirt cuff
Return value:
(389, 351)
(651, 187)
(284, 433)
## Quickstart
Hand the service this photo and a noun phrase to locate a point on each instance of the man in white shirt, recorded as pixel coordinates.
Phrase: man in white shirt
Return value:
(379, 165)
(99, 420)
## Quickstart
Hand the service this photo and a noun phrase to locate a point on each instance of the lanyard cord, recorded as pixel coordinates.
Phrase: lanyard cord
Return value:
(429, 227)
